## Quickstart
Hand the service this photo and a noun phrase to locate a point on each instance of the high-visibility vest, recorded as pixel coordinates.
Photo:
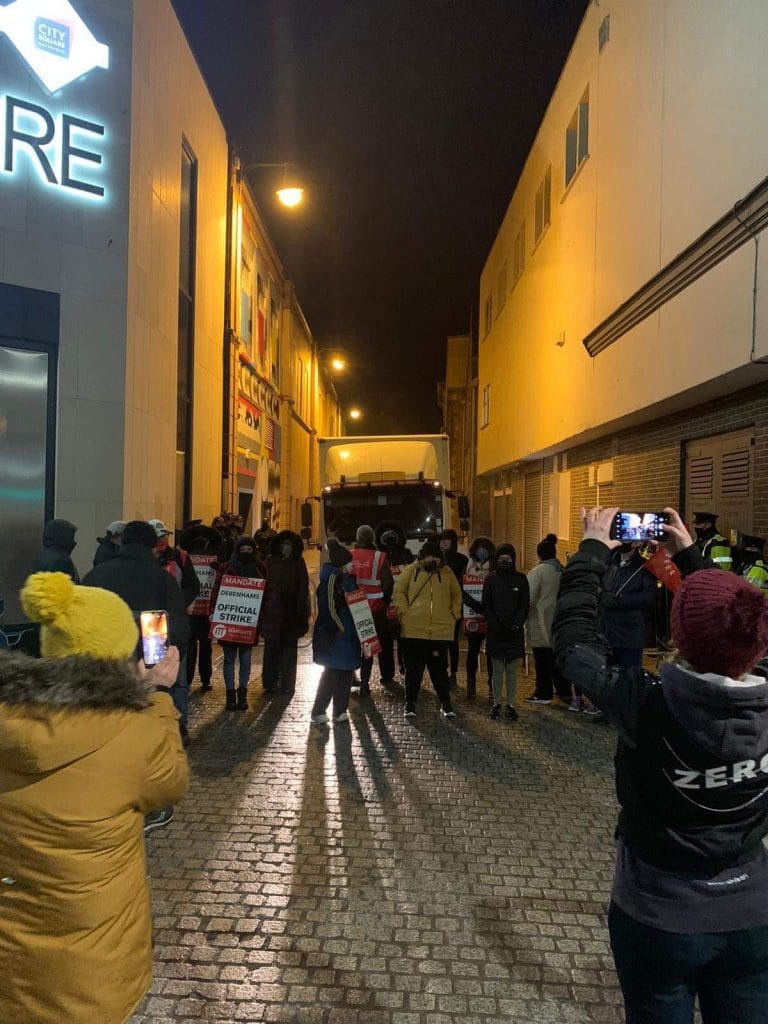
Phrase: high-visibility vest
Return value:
(719, 551)
(366, 567)
(757, 574)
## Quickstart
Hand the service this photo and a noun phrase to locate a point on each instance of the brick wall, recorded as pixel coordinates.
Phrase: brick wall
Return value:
(648, 466)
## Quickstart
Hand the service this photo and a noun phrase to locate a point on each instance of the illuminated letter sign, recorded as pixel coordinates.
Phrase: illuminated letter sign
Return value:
(54, 41)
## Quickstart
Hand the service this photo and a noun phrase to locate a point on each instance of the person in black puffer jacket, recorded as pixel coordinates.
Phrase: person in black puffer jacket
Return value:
(505, 604)
(286, 611)
(457, 563)
(58, 544)
(688, 914)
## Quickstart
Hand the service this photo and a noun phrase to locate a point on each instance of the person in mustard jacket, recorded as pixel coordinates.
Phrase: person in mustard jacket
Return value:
(88, 745)
(428, 601)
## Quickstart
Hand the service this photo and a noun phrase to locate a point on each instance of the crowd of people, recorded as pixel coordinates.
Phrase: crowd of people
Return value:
(92, 739)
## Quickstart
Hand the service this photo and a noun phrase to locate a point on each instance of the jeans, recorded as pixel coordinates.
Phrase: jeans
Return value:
(429, 654)
(504, 668)
(548, 677)
(243, 653)
(628, 657)
(199, 640)
(662, 972)
(474, 646)
(180, 693)
(335, 685)
(279, 669)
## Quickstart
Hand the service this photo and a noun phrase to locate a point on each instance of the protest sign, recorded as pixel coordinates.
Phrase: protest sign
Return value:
(664, 569)
(473, 621)
(206, 574)
(237, 610)
(362, 616)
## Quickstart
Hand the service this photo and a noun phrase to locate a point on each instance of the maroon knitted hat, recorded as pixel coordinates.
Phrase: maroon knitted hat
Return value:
(720, 623)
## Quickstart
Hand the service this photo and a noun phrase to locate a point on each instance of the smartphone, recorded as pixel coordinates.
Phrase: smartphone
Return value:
(639, 526)
(154, 636)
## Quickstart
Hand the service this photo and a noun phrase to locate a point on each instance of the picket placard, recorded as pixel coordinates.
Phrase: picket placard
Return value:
(362, 616)
(664, 569)
(237, 610)
(473, 621)
(206, 574)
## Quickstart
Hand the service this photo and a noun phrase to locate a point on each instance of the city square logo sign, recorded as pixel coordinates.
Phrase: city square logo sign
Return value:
(63, 149)
(54, 41)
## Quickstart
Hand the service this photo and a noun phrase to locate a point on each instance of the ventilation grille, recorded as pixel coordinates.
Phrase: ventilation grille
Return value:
(702, 477)
(736, 474)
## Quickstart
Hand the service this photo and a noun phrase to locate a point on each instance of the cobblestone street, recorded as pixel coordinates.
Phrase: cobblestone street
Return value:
(386, 871)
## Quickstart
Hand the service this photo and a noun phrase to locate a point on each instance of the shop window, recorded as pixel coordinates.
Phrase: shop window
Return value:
(246, 295)
(577, 139)
(543, 210)
(186, 335)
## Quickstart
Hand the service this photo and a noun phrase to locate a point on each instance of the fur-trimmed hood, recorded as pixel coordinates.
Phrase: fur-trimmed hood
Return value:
(53, 711)
(296, 542)
(482, 542)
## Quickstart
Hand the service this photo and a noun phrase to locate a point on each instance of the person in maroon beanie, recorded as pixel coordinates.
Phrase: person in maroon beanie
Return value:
(689, 909)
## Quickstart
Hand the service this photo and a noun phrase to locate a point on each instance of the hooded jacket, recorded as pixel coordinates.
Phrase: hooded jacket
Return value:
(475, 568)
(692, 755)
(428, 604)
(505, 604)
(340, 647)
(629, 589)
(86, 750)
(58, 545)
(543, 584)
(137, 577)
(106, 550)
(286, 611)
(250, 568)
(399, 554)
(455, 561)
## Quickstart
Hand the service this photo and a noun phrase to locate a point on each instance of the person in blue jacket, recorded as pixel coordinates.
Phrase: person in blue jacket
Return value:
(335, 645)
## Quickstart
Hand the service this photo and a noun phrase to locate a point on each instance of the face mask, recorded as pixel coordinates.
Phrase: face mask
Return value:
(626, 549)
(445, 545)
(705, 532)
(481, 555)
(504, 565)
(244, 555)
(431, 564)
(286, 549)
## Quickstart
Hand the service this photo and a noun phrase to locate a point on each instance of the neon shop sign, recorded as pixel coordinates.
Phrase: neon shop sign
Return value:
(63, 149)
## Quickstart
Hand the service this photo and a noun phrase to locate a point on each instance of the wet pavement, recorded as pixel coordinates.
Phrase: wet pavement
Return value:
(386, 871)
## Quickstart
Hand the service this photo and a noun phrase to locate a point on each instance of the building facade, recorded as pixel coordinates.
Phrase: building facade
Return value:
(623, 353)
(143, 343)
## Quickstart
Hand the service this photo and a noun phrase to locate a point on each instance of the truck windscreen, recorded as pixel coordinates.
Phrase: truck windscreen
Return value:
(418, 511)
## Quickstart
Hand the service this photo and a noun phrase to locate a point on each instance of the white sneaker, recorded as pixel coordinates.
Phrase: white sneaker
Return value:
(343, 717)
(319, 719)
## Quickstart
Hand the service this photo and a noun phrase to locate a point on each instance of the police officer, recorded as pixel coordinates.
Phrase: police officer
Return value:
(751, 565)
(710, 543)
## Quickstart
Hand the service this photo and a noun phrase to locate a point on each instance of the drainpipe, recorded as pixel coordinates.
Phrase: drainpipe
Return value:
(227, 436)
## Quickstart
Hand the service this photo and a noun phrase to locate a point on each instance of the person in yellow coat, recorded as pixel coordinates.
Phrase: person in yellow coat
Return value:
(89, 743)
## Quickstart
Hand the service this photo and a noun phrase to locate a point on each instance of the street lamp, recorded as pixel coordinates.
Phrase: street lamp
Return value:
(338, 364)
(355, 414)
(290, 193)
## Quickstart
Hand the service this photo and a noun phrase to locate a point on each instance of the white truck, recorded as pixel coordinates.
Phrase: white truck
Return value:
(382, 478)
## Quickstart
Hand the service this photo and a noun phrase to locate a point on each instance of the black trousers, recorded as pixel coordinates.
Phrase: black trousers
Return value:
(662, 972)
(386, 663)
(279, 667)
(431, 655)
(453, 648)
(474, 646)
(200, 648)
(549, 679)
(335, 685)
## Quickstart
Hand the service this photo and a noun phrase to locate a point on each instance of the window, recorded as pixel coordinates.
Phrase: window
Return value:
(486, 416)
(488, 317)
(577, 139)
(518, 255)
(543, 211)
(501, 288)
(185, 361)
(246, 293)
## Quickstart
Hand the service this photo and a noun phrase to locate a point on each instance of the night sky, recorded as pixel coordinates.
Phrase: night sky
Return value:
(409, 122)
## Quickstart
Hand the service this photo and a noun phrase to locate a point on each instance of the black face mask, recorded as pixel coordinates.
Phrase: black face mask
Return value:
(431, 564)
(245, 556)
(705, 532)
(505, 566)
(626, 549)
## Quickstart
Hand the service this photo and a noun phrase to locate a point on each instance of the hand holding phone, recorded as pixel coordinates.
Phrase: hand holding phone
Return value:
(630, 527)
(154, 636)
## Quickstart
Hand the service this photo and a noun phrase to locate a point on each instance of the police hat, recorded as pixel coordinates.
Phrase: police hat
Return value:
(750, 543)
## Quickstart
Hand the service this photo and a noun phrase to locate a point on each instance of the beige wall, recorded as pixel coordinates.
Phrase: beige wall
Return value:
(171, 103)
(676, 93)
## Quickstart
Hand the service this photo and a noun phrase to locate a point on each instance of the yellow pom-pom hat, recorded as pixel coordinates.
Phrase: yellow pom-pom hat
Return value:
(77, 620)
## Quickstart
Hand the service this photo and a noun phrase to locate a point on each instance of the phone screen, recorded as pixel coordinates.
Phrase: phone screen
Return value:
(639, 526)
(154, 636)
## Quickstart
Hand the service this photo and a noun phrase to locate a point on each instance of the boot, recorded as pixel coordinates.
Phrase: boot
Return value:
(231, 701)
(242, 699)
